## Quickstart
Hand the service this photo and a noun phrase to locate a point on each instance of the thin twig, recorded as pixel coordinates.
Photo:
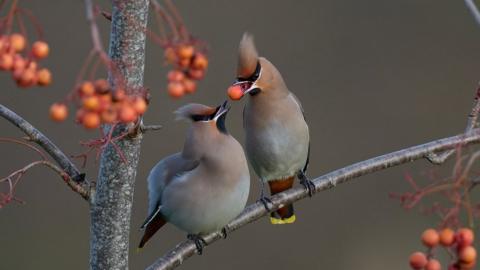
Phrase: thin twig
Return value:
(60, 158)
(186, 249)
(65, 177)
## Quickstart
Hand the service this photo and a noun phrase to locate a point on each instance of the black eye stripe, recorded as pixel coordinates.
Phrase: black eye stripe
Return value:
(202, 117)
(254, 76)
(198, 117)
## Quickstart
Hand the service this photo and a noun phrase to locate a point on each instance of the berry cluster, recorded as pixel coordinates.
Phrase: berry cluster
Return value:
(24, 68)
(99, 104)
(190, 65)
(459, 243)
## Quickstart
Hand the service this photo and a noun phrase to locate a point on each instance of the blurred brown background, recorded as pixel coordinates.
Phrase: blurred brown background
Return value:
(373, 77)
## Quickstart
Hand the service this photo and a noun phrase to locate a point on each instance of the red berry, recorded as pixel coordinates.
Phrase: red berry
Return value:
(109, 116)
(418, 260)
(190, 85)
(40, 49)
(86, 89)
(44, 77)
(185, 51)
(176, 89)
(447, 237)
(433, 265)
(467, 254)
(6, 61)
(58, 112)
(127, 113)
(430, 238)
(101, 86)
(119, 94)
(200, 61)
(17, 42)
(28, 78)
(196, 74)
(465, 237)
(91, 103)
(139, 105)
(175, 76)
(91, 120)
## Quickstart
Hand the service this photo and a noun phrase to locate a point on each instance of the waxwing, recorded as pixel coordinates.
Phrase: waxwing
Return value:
(205, 186)
(277, 136)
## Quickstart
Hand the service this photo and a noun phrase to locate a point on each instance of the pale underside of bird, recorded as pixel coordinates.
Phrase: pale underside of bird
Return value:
(205, 186)
(276, 133)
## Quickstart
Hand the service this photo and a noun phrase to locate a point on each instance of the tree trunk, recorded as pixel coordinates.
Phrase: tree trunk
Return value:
(112, 203)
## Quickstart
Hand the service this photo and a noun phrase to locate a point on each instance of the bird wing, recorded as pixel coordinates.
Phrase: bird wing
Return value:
(161, 176)
(296, 100)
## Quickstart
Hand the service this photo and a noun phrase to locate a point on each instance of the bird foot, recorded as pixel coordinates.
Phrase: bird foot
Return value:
(266, 201)
(200, 243)
(308, 184)
(223, 233)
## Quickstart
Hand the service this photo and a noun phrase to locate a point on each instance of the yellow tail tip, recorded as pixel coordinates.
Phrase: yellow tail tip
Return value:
(278, 221)
(139, 249)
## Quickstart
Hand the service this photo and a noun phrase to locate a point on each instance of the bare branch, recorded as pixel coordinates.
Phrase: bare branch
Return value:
(255, 211)
(438, 159)
(472, 119)
(474, 10)
(82, 185)
(472, 122)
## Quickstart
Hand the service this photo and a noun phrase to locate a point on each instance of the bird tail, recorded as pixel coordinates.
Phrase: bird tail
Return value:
(284, 215)
(152, 227)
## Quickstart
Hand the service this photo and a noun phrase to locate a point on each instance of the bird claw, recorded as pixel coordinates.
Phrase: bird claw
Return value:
(223, 233)
(265, 201)
(200, 243)
(308, 184)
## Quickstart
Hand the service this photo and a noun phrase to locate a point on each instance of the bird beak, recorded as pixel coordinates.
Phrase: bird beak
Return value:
(223, 109)
(246, 86)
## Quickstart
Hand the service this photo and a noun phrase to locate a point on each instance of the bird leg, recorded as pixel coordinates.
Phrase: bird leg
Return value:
(264, 199)
(308, 184)
(200, 243)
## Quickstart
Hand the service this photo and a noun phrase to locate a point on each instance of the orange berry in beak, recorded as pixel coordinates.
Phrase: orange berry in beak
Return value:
(235, 92)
